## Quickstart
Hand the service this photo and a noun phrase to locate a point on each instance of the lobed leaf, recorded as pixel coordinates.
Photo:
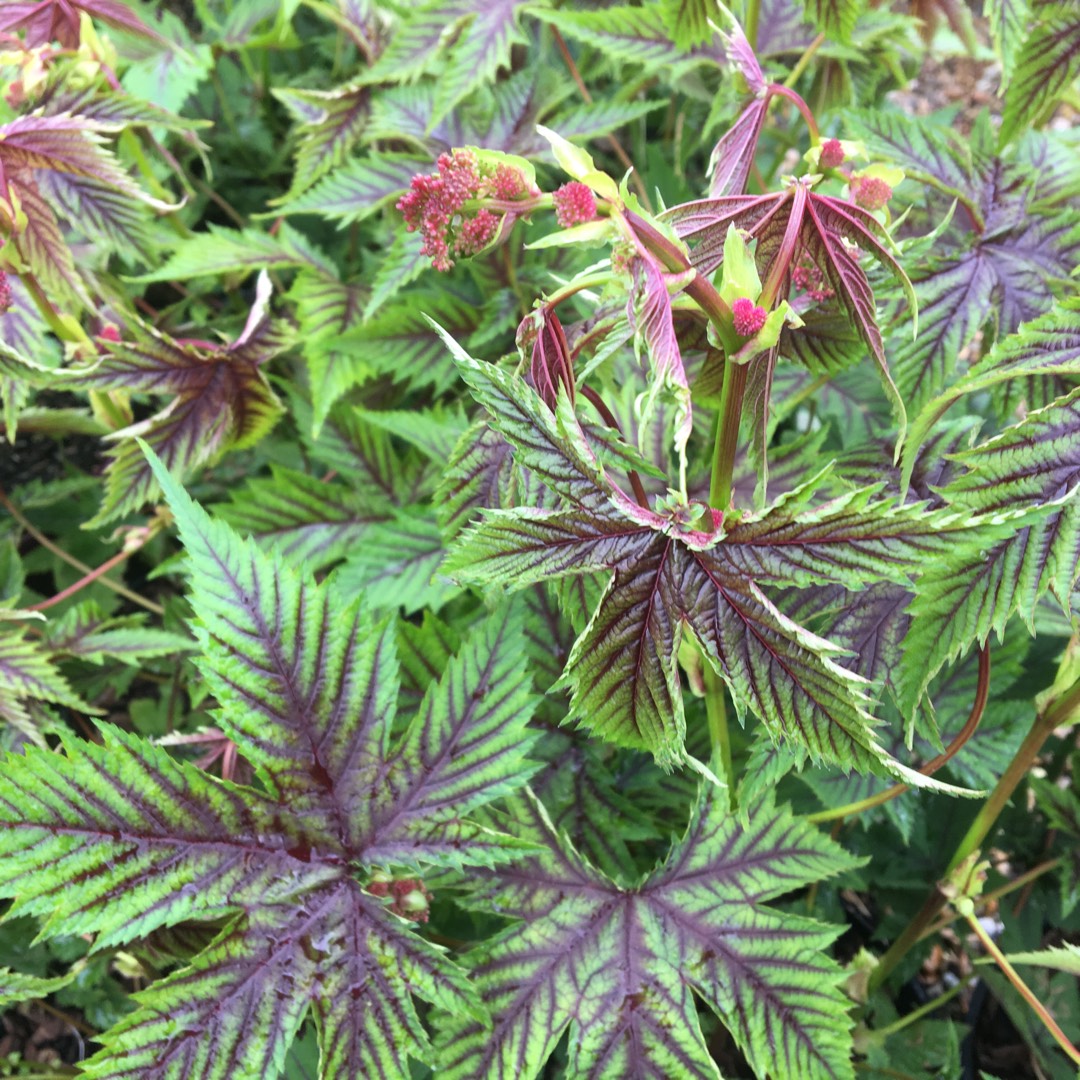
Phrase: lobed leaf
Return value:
(623, 967)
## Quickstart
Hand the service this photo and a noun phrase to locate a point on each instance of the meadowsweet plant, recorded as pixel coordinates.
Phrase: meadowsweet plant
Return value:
(538, 539)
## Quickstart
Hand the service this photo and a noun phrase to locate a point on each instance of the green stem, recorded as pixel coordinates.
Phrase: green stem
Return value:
(1062, 710)
(917, 1014)
(807, 56)
(753, 11)
(66, 329)
(1058, 710)
(719, 735)
(1023, 989)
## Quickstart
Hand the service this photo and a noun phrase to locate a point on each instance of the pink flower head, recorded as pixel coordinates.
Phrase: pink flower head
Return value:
(507, 183)
(474, 234)
(574, 204)
(832, 154)
(871, 192)
(749, 317)
(432, 202)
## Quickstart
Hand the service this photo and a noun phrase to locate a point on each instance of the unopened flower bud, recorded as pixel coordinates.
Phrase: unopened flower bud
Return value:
(749, 317)
(574, 204)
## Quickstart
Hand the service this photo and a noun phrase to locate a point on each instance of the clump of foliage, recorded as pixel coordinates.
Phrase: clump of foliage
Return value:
(623, 472)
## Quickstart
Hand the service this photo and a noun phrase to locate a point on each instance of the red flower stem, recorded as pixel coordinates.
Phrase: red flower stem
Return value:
(60, 553)
(597, 402)
(808, 116)
(78, 586)
(982, 692)
(612, 140)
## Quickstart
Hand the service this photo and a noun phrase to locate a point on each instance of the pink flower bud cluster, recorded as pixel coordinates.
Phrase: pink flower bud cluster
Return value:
(574, 204)
(811, 280)
(5, 292)
(749, 317)
(870, 192)
(434, 205)
(832, 154)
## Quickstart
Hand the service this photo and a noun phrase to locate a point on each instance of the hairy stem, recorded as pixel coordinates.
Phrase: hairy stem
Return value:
(1023, 989)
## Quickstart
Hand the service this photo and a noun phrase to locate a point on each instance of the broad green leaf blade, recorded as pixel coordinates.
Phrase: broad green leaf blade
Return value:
(118, 839)
(621, 967)
(836, 18)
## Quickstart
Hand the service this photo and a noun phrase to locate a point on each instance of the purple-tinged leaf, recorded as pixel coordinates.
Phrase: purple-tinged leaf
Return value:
(36, 244)
(623, 967)
(1047, 64)
(28, 673)
(1008, 21)
(220, 401)
(312, 522)
(825, 226)
(872, 626)
(782, 28)
(480, 475)
(44, 21)
(331, 123)
(650, 314)
(485, 37)
(23, 329)
(87, 632)
(307, 689)
(926, 152)
(100, 212)
(1048, 347)
(688, 21)
(397, 565)
(670, 574)
(637, 34)
(231, 251)
(358, 188)
(733, 156)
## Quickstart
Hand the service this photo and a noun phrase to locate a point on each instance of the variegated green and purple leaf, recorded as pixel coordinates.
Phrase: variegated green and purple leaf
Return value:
(221, 400)
(624, 967)
(117, 839)
(671, 573)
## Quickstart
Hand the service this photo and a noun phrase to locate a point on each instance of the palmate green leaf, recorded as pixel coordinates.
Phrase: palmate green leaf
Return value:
(836, 18)
(1047, 64)
(397, 564)
(86, 632)
(229, 251)
(117, 839)
(688, 21)
(358, 188)
(331, 123)
(669, 577)
(625, 966)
